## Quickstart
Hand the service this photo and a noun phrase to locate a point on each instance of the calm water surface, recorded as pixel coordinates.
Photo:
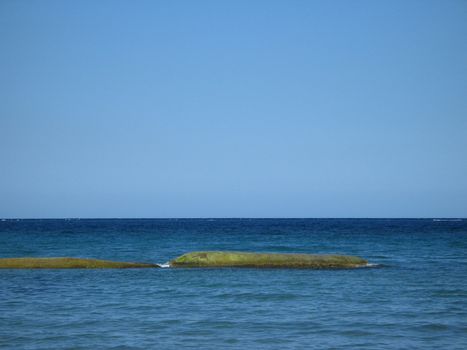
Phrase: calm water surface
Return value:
(416, 300)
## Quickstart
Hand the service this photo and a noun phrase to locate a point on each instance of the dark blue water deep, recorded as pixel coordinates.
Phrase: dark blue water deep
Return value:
(417, 300)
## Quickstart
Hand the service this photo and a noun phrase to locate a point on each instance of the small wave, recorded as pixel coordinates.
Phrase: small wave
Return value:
(373, 265)
(164, 265)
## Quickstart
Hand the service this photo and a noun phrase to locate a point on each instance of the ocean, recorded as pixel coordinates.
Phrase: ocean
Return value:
(414, 298)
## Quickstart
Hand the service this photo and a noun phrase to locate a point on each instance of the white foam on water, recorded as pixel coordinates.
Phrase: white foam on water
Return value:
(164, 265)
(371, 265)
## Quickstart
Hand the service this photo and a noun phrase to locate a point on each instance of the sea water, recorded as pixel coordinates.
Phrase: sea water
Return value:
(415, 297)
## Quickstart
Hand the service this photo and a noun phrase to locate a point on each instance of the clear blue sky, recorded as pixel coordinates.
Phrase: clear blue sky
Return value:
(233, 108)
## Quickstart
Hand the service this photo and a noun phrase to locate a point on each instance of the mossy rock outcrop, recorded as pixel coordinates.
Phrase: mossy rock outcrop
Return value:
(67, 263)
(266, 260)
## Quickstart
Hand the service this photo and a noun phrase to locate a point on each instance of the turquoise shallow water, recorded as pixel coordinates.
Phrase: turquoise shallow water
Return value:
(416, 299)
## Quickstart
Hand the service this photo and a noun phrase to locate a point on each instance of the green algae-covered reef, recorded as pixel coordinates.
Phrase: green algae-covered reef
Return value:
(266, 260)
(197, 259)
(67, 263)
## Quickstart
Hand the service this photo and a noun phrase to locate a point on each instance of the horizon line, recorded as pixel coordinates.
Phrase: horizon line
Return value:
(236, 218)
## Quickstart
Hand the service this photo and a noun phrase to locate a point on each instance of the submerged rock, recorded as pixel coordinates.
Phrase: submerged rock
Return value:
(266, 260)
(67, 263)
